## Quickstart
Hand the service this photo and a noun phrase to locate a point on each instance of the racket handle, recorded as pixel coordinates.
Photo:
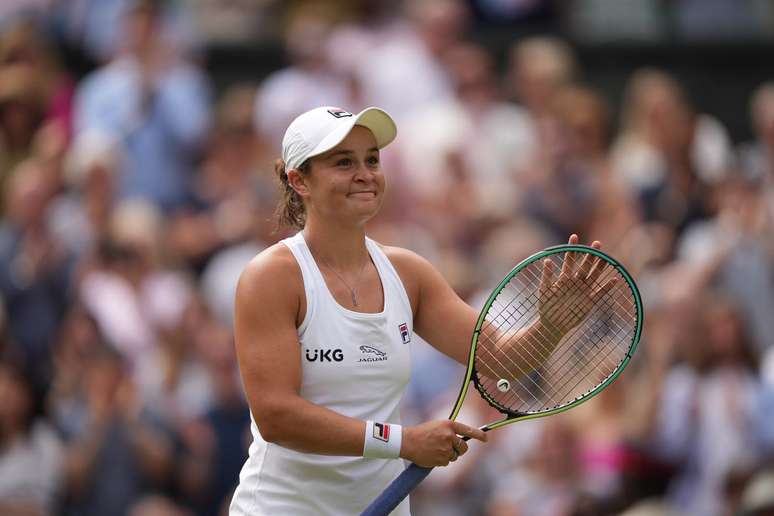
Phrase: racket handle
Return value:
(397, 491)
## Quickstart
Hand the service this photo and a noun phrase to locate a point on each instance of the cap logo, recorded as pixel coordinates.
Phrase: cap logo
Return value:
(339, 113)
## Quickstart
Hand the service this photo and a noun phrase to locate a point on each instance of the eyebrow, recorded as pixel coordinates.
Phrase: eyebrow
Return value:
(346, 152)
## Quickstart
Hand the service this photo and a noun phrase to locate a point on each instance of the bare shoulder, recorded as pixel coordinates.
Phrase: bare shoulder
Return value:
(274, 272)
(406, 261)
(415, 272)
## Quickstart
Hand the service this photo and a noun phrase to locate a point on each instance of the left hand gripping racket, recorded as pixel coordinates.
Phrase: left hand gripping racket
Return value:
(544, 342)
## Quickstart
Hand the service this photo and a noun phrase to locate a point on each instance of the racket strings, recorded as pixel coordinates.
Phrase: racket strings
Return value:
(538, 384)
(569, 356)
(602, 365)
(511, 325)
(603, 333)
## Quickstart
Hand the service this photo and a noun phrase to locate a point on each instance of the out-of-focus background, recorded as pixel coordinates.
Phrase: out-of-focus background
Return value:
(136, 146)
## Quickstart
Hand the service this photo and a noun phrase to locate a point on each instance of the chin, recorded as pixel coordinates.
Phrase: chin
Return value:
(364, 214)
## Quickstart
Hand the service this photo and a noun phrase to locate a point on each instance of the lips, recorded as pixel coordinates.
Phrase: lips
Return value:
(363, 195)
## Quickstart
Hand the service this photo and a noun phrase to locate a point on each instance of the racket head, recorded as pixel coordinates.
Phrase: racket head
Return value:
(586, 359)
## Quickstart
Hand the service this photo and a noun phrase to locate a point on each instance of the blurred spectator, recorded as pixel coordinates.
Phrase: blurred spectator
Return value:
(34, 92)
(603, 441)
(215, 443)
(148, 298)
(96, 27)
(21, 113)
(549, 483)
(537, 67)
(757, 157)
(80, 216)
(572, 186)
(401, 71)
(175, 382)
(30, 450)
(35, 268)
(715, 396)
(77, 342)
(472, 142)
(155, 104)
(233, 194)
(667, 153)
(736, 248)
(309, 81)
(114, 452)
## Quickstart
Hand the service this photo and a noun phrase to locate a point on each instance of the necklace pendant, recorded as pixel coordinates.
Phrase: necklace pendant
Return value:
(354, 299)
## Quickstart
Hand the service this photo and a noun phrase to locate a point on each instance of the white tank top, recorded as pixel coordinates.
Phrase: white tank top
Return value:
(357, 364)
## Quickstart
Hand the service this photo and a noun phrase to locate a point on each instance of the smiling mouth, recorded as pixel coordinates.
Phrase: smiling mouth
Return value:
(366, 195)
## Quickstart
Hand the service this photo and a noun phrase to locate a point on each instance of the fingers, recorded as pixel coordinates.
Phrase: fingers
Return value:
(459, 448)
(569, 259)
(588, 261)
(599, 267)
(589, 267)
(469, 432)
(606, 287)
(547, 277)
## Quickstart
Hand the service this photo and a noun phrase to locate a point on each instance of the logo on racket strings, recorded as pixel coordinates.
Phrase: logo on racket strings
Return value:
(404, 333)
(382, 431)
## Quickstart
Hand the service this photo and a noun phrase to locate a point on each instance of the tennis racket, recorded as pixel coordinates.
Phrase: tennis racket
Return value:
(557, 330)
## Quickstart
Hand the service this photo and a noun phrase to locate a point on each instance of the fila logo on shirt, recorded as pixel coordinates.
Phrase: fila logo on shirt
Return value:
(339, 113)
(404, 333)
(382, 431)
(324, 355)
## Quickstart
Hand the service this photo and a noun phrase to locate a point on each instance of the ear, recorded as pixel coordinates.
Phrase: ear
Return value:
(297, 182)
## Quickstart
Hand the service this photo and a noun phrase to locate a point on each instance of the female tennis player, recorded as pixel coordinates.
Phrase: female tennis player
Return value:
(323, 327)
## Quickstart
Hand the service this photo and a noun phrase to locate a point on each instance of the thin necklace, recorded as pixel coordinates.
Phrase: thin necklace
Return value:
(351, 290)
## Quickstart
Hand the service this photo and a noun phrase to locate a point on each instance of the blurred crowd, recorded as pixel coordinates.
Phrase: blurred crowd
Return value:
(133, 193)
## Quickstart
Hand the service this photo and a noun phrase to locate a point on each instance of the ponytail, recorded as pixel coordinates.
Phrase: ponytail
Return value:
(290, 211)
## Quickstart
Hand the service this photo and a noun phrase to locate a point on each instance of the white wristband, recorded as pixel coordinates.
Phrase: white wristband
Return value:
(382, 440)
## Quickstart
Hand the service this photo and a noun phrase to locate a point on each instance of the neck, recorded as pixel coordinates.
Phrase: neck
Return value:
(341, 247)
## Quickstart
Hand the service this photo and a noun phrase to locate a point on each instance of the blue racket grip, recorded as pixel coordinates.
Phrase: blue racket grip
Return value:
(397, 491)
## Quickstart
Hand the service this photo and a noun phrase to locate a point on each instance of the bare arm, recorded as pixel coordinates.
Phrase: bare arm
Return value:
(268, 301)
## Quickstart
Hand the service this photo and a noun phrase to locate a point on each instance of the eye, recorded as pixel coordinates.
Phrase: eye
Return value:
(344, 163)
(373, 161)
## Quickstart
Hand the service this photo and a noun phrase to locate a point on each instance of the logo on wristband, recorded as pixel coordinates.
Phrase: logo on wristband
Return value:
(382, 431)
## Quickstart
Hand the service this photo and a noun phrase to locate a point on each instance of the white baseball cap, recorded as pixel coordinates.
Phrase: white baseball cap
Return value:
(321, 129)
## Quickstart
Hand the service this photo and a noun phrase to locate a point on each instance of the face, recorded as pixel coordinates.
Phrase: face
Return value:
(345, 183)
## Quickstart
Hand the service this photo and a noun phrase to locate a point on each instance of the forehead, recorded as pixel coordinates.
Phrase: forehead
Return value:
(359, 139)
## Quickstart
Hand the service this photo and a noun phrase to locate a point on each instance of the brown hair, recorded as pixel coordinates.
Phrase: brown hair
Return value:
(290, 211)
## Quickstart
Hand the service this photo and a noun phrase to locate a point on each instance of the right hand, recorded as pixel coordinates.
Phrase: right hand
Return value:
(436, 443)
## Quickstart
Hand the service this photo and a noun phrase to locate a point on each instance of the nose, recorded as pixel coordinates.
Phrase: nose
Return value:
(363, 172)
